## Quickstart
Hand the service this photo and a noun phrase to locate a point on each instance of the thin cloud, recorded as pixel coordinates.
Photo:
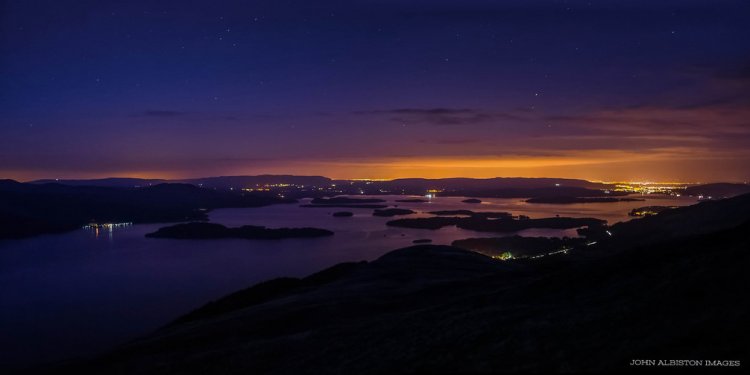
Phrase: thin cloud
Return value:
(442, 115)
(710, 120)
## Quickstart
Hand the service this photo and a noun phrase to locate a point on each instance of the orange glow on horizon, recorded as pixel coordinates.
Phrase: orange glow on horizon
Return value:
(592, 165)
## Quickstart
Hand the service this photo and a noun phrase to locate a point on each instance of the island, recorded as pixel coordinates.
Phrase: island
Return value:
(343, 214)
(487, 224)
(472, 200)
(571, 200)
(422, 241)
(346, 200)
(390, 212)
(199, 230)
(452, 213)
(485, 215)
(370, 206)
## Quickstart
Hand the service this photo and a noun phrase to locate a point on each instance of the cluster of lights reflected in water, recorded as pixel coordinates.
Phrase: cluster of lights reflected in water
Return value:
(109, 227)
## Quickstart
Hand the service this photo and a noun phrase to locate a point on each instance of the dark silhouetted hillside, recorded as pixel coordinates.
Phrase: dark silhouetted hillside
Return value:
(390, 212)
(120, 182)
(493, 223)
(240, 182)
(30, 209)
(440, 309)
(701, 218)
(250, 232)
(718, 190)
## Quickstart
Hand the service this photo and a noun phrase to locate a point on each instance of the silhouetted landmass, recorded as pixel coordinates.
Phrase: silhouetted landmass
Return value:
(493, 215)
(483, 225)
(343, 214)
(119, 182)
(422, 241)
(487, 224)
(371, 206)
(570, 200)
(701, 218)
(215, 231)
(240, 182)
(390, 212)
(422, 184)
(32, 209)
(649, 210)
(318, 186)
(480, 188)
(472, 200)
(479, 214)
(517, 246)
(533, 192)
(424, 222)
(719, 190)
(268, 290)
(487, 188)
(412, 200)
(452, 212)
(594, 309)
(345, 200)
(491, 188)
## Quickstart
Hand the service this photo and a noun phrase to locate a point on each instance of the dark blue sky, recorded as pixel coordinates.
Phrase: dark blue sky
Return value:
(376, 89)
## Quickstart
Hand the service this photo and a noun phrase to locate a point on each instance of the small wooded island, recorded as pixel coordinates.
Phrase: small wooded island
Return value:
(369, 206)
(472, 200)
(346, 200)
(390, 212)
(486, 215)
(197, 230)
(482, 223)
(343, 214)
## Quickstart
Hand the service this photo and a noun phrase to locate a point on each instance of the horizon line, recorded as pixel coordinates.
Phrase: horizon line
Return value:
(167, 180)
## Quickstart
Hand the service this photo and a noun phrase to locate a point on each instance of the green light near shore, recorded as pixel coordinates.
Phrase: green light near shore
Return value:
(504, 256)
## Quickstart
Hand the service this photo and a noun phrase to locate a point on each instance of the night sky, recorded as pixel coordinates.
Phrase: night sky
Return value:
(602, 90)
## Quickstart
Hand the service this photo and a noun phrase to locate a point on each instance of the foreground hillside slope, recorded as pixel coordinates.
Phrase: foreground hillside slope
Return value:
(440, 309)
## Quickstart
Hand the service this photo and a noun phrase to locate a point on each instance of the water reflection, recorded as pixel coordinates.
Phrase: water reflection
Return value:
(72, 294)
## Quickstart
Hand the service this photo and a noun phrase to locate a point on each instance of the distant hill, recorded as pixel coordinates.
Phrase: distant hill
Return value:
(104, 182)
(239, 182)
(305, 186)
(29, 209)
(718, 190)
(494, 183)
(198, 230)
(500, 187)
(221, 182)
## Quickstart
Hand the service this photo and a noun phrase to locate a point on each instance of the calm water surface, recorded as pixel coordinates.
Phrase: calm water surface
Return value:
(78, 293)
